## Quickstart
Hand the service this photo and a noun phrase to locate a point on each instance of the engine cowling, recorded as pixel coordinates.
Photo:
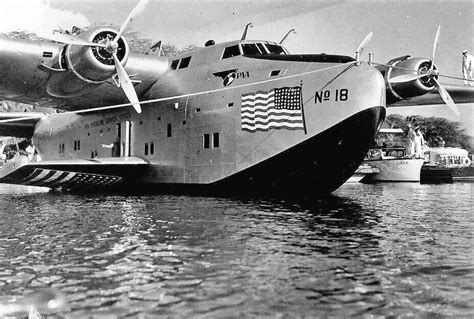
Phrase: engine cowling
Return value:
(86, 66)
(416, 87)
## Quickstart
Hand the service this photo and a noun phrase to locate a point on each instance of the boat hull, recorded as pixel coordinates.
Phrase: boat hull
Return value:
(395, 170)
(315, 167)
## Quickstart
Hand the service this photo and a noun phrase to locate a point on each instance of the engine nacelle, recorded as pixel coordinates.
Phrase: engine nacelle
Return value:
(404, 90)
(86, 66)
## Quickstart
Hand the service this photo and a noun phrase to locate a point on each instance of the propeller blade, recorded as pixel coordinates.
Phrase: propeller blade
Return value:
(126, 84)
(69, 39)
(135, 12)
(435, 46)
(406, 78)
(446, 97)
(364, 42)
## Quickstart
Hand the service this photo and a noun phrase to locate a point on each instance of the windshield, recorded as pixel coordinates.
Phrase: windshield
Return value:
(275, 49)
(231, 51)
(251, 49)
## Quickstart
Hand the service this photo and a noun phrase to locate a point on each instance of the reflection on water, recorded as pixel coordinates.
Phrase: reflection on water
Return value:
(389, 250)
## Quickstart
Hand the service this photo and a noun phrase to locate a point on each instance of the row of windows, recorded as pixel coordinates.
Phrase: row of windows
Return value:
(210, 139)
(149, 148)
(253, 49)
(236, 50)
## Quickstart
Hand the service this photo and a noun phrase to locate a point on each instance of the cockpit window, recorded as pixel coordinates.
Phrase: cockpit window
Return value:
(262, 48)
(275, 49)
(251, 49)
(231, 51)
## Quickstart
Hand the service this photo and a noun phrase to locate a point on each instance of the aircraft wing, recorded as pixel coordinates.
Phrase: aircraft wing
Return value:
(22, 128)
(72, 174)
(459, 93)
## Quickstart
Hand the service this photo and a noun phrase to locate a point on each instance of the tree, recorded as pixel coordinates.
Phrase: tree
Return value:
(433, 128)
(137, 42)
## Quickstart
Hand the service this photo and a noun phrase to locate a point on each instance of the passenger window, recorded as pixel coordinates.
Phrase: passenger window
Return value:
(275, 49)
(250, 49)
(206, 141)
(231, 51)
(184, 62)
(174, 64)
(215, 139)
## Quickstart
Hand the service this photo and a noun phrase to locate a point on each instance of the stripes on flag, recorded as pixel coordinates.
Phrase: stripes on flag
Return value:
(279, 108)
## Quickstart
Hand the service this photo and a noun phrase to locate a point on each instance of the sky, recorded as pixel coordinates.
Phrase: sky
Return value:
(400, 28)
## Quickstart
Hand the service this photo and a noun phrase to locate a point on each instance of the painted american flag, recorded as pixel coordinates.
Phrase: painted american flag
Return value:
(279, 108)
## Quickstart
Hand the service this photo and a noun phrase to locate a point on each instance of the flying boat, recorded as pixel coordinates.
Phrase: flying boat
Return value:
(240, 116)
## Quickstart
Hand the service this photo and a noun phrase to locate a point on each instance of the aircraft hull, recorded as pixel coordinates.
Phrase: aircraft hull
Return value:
(342, 106)
(317, 166)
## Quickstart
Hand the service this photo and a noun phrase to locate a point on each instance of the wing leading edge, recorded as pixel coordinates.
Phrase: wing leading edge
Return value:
(459, 93)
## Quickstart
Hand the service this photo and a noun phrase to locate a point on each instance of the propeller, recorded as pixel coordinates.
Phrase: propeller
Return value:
(435, 46)
(446, 97)
(111, 46)
(126, 84)
(360, 48)
(133, 14)
(432, 74)
(362, 45)
(69, 39)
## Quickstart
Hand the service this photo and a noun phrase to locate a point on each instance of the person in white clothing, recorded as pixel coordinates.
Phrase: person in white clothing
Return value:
(419, 143)
(467, 65)
(30, 152)
(411, 141)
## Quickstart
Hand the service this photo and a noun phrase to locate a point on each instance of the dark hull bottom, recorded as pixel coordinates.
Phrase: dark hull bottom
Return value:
(316, 167)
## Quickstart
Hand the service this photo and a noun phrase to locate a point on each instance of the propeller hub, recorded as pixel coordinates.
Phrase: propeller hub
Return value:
(430, 72)
(111, 46)
(105, 54)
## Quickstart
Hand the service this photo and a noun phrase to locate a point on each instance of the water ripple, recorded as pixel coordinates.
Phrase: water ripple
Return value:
(367, 251)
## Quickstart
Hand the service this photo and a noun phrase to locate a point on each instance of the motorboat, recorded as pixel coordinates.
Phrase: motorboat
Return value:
(392, 161)
(447, 164)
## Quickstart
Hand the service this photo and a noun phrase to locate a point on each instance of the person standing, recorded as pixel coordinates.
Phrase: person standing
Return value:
(467, 65)
(419, 143)
(411, 141)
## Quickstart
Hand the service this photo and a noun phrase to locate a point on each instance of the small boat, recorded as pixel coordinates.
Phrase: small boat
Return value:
(447, 165)
(394, 166)
(392, 161)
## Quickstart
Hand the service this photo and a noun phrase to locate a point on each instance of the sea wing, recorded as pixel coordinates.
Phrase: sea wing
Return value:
(73, 174)
(459, 93)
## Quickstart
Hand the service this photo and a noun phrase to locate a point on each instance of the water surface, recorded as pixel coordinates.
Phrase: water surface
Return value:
(366, 251)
